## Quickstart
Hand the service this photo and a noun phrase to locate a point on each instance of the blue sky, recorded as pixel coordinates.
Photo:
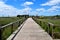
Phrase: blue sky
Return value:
(31, 7)
(17, 3)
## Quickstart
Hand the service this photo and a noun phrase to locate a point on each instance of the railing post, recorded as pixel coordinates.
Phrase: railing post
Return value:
(19, 24)
(52, 30)
(12, 29)
(44, 25)
(48, 27)
(40, 23)
(0, 34)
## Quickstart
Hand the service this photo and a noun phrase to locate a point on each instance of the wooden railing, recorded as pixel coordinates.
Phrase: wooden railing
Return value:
(7, 30)
(52, 29)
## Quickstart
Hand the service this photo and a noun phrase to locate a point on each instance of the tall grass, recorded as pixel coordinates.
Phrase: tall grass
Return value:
(54, 21)
(6, 20)
(8, 30)
(53, 30)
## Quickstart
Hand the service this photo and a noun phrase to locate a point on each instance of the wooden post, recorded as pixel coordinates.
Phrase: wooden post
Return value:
(52, 30)
(48, 28)
(0, 34)
(40, 23)
(19, 24)
(44, 25)
(12, 29)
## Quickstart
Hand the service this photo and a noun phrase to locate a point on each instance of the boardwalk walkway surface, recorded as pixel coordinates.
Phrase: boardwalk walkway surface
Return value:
(32, 31)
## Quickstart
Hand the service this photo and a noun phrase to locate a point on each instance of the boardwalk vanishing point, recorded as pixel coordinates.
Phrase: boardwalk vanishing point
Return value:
(32, 31)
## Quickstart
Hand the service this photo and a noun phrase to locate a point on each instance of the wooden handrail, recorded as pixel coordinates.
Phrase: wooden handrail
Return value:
(9, 25)
(50, 25)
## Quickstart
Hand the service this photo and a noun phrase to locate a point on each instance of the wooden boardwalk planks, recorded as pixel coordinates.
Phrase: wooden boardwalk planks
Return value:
(32, 31)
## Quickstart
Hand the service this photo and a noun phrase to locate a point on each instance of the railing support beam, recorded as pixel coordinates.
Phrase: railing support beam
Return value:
(12, 29)
(0, 34)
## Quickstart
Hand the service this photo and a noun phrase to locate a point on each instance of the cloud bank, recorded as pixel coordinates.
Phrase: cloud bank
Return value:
(51, 2)
(6, 10)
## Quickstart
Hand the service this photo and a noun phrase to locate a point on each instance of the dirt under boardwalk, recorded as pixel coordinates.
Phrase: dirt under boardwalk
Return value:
(32, 31)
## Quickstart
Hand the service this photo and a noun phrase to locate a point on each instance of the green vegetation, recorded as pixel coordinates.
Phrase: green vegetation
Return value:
(50, 17)
(54, 21)
(8, 30)
(6, 20)
(50, 25)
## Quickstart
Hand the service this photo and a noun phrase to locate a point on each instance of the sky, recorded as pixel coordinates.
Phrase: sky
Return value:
(31, 7)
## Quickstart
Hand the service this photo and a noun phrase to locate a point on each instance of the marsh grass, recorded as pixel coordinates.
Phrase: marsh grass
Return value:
(44, 24)
(7, 31)
(6, 20)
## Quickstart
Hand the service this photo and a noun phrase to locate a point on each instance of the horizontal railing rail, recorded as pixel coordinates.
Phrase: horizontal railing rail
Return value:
(7, 30)
(52, 29)
(8, 24)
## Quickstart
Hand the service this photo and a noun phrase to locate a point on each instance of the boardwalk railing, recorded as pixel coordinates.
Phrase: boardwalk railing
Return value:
(53, 30)
(7, 30)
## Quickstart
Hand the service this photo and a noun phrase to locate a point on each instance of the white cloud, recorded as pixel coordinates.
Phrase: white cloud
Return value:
(40, 9)
(53, 9)
(27, 3)
(12, 11)
(26, 10)
(7, 9)
(51, 2)
(50, 10)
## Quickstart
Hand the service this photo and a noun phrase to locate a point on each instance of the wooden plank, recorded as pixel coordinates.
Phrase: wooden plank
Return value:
(32, 31)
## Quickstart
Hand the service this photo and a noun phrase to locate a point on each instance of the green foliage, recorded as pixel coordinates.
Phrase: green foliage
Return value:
(6, 20)
(44, 24)
(8, 30)
(54, 21)
(50, 17)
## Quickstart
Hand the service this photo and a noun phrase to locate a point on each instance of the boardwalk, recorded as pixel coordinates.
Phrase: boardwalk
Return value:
(32, 31)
